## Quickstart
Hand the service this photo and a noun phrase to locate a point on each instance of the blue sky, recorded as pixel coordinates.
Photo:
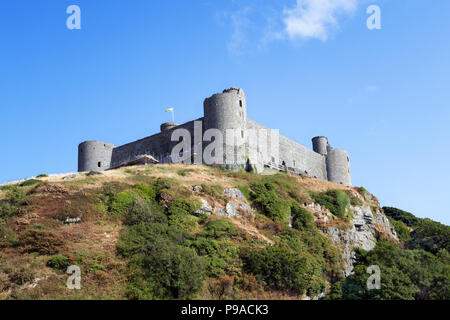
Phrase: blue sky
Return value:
(307, 68)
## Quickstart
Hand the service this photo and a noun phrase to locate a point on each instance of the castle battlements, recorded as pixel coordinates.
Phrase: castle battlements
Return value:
(225, 112)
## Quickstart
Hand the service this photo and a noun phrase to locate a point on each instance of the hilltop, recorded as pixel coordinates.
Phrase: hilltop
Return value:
(179, 232)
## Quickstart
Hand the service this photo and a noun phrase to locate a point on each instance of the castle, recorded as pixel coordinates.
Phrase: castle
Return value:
(226, 112)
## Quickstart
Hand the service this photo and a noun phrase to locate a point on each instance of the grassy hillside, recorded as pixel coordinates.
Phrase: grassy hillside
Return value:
(142, 233)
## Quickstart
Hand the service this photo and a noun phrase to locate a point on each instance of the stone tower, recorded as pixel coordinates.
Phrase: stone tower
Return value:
(227, 112)
(338, 167)
(320, 145)
(94, 156)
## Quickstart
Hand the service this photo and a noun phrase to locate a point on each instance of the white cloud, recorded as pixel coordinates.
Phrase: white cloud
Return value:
(315, 18)
(240, 24)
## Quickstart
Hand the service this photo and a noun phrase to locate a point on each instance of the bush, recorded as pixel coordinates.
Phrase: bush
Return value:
(17, 197)
(59, 262)
(431, 236)
(42, 176)
(183, 207)
(401, 229)
(406, 217)
(145, 191)
(166, 272)
(160, 267)
(405, 275)
(337, 201)
(218, 228)
(212, 190)
(121, 203)
(245, 191)
(184, 172)
(280, 268)
(142, 211)
(302, 219)
(30, 182)
(7, 237)
(42, 241)
(265, 198)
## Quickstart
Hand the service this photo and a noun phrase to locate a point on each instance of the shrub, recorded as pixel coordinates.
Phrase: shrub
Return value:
(21, 275)
(337, 201)
(218, 228)
(121, 203)
(401, 229)
(30, 182)
(59, 262)
(184, 172)
(145, 191)
(182, 207)
(166, 272)
(212, 190)
(245, 191)
(280, 268)
(7, 237)
(42, 176)
(406, 217)
(160, 267)
(301, 218)
(17, 197)
(431, 236)
(45, 242)
(142, 211)
(265, 198)
(405, 274)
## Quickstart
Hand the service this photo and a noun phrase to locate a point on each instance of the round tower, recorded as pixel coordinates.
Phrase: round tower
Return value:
(167, 126)
(225, 111)
(338, 167)
(94, 156)
(320, 145)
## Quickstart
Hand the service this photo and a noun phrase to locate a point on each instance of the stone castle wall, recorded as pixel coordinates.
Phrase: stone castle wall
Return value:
(227, 110)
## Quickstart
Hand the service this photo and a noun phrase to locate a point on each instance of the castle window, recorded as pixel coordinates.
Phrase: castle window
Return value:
(242, 133)
(99, 164)
(294, 163)
(240, 103)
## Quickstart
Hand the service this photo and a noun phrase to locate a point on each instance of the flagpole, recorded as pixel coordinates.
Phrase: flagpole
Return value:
(173, 117)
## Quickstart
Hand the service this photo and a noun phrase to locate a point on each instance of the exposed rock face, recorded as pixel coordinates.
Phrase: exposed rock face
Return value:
(205, 208)
(236, 206)
(234, 193)
(365, 226)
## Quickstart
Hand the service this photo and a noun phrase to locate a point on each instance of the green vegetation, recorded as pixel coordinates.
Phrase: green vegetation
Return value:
(141, 238)
(405, 275)
(265, 198)
(337, 201)
(283, 269)
(59, 262)
(30, 182)
(212, 190)
(185, 172)
(15, 199)
(406, 217)
(401, 229)
(42, 175)
(302, 219)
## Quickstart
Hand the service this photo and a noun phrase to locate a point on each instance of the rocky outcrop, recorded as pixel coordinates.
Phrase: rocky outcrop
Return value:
(235, 206)
(367, 224)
